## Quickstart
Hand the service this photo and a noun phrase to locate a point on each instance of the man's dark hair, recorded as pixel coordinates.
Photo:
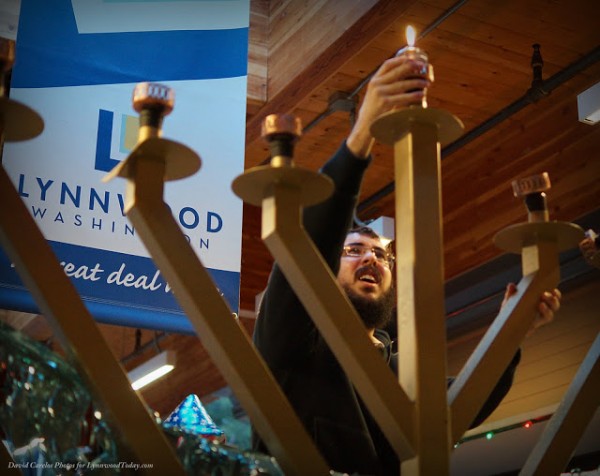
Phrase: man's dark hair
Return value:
(365, 230)
(368, 231)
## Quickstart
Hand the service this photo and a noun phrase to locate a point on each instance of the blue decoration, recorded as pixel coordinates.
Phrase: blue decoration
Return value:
(190, 416)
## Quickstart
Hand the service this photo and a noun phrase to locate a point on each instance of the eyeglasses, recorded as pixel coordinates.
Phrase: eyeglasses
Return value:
(358, 251)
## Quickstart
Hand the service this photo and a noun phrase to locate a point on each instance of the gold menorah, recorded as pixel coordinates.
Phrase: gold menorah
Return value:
(418, 415)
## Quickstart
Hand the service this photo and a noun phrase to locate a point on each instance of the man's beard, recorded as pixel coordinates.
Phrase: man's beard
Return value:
(375, 313)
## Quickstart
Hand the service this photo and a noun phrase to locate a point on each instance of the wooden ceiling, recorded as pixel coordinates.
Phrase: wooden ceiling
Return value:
(481, 55)
(303, 52)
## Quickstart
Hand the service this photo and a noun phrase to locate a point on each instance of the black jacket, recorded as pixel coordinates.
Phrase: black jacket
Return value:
(309, 374)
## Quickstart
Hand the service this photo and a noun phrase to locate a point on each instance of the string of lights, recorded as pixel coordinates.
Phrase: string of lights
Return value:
(488, 435)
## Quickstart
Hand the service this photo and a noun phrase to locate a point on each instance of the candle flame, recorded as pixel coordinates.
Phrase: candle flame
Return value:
(410, 35)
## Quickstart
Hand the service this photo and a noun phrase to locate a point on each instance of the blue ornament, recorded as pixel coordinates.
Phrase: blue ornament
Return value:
(190, 416)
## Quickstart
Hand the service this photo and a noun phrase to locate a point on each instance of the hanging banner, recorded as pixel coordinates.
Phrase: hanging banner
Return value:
(77, 62)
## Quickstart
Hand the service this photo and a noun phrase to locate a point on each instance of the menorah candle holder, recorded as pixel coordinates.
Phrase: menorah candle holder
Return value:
(414, 53)
(416, 134)
(154, 101)
(281, 131)
(538, 241)
(517, 238)
(153, 161)
(283, 189)
(140, 438)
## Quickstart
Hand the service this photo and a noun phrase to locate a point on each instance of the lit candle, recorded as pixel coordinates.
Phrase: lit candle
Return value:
(417, 54)
(411, 50)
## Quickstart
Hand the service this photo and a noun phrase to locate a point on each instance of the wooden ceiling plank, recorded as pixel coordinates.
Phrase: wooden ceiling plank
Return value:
(502, 30)
(559, 130)
(384, 13)
(303, 30)
(257, 54)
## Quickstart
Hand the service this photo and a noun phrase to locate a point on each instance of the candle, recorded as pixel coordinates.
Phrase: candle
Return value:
(417, 54)
(411, 50)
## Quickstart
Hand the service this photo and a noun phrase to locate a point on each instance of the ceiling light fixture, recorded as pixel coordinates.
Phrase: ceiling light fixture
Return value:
(151, 370)
(588, 105)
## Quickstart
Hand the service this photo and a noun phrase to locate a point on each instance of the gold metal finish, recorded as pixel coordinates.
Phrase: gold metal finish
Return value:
(390, 127)
(553, 450)
(516, 237)
(7, 54)
(281, 161)
(416, 134)
(258, 183)
(180, 160)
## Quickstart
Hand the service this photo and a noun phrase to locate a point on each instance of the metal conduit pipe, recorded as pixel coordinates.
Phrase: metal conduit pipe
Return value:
(139, 350)
(531, 96)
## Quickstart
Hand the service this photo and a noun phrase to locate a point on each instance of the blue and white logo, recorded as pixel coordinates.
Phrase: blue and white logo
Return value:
(78, 62)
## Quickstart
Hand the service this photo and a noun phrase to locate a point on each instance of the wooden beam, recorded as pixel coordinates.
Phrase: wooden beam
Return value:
(258, 36)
